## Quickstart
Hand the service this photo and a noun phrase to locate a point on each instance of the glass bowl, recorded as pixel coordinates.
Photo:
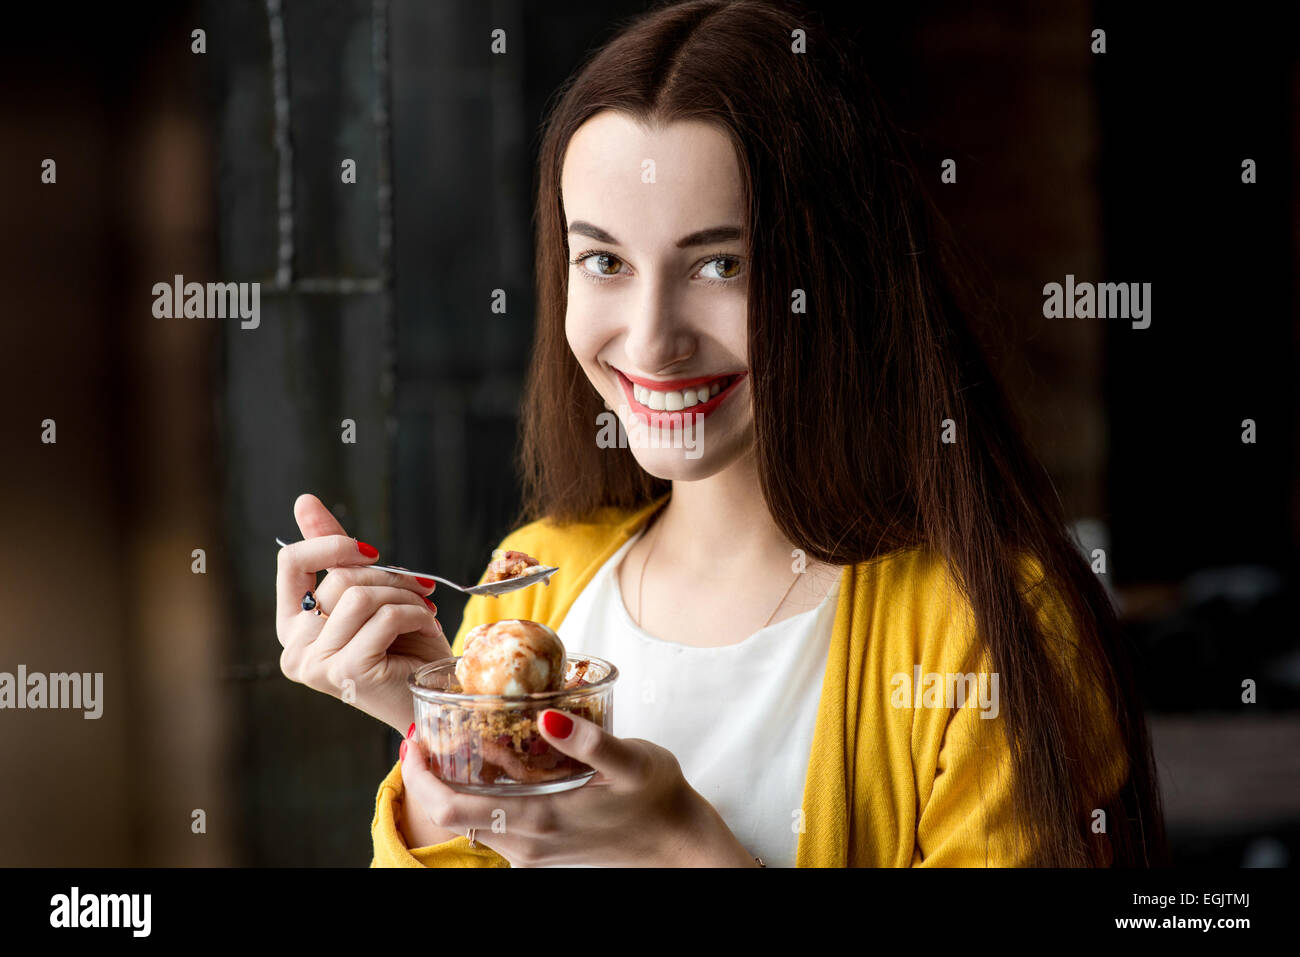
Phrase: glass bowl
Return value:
(490, 744)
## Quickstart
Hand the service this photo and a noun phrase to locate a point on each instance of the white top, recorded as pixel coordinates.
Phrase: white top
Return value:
(738, 718)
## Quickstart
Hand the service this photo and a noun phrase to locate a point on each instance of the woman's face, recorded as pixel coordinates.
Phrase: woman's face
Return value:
(656, 310)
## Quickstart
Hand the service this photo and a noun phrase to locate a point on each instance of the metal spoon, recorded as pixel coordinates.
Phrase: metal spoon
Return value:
(531, 577)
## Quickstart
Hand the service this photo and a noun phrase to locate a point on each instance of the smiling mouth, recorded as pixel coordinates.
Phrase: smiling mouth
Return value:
(702, 394)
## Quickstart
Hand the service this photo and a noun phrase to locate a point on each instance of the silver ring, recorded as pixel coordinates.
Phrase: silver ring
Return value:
(470, 835)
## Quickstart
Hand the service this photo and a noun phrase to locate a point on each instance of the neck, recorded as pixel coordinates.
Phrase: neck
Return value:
(719, 527)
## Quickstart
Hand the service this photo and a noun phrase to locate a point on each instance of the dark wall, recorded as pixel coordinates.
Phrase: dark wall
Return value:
(1185, 491)
(379, 311)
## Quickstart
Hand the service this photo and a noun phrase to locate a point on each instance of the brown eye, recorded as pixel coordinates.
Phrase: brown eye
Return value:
(603, 263)
(724, 267)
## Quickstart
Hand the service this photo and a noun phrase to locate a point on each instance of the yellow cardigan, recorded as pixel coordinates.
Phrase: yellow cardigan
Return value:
(888, 784)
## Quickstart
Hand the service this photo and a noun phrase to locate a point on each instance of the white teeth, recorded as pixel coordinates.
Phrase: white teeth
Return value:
(676, 400)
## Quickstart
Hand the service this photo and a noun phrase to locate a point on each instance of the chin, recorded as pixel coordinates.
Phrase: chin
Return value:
(708, 458)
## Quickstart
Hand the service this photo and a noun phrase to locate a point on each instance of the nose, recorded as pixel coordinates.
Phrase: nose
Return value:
(657, 335)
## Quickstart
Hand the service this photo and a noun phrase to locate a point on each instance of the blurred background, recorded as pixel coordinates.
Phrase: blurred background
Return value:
(179, 435)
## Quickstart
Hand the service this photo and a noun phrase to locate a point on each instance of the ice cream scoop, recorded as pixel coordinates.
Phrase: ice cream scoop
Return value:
(511, 657)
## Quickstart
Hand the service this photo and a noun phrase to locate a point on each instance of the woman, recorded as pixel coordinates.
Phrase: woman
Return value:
(727, 225)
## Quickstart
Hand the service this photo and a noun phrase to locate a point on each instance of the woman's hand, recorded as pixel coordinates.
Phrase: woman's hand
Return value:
(376, 627)
(637, 811)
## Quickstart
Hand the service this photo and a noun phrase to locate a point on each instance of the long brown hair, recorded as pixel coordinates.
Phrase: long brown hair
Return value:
(885, 353)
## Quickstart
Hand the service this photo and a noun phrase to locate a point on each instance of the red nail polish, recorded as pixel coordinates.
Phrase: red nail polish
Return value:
(401, 752)
(426, 582)
(557, 725)
(432, 607)
(411, 730)
(368, 550)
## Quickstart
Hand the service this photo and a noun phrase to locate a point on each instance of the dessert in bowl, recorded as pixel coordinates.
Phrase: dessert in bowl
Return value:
(476, 715)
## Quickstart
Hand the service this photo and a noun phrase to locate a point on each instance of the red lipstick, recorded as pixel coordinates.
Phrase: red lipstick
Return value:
(662, 419)
(670, 385)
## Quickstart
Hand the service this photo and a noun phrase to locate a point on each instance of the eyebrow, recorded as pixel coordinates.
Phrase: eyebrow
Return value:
(703, 237)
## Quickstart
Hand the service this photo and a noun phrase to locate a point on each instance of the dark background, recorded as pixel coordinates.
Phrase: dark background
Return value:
(182, 434)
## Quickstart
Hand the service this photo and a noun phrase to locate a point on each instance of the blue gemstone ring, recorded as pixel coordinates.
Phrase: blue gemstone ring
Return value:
(309, 602)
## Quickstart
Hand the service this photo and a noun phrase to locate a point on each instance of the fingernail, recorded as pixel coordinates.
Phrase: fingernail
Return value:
(368, 550)
(411, 730)
(432, 606)
(426, 582)
(557, 725)
(401, 752)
